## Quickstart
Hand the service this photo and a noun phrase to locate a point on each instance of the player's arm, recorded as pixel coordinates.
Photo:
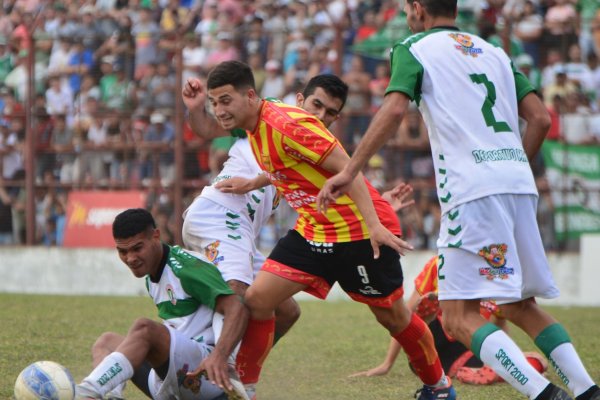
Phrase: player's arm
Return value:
(532, 110)
(239, 185)
(359, 193)
(383, 125)
(194, 98)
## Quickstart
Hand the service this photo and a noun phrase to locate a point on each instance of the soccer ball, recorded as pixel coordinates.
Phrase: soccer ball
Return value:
(45, 380)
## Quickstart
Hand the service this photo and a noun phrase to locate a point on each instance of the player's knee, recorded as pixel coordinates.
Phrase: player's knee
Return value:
(260, 306)
(108, 341)
(142, 327)
(521, 309)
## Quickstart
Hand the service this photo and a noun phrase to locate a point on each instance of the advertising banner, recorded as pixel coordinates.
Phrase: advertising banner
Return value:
(90, 216)
(573, 173)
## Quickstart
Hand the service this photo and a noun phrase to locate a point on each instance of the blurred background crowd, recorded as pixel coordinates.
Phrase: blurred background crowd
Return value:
(90, 94)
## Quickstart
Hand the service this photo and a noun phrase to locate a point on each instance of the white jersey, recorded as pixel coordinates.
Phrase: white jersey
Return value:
(186, 294)
(467, 91)
(257, 204)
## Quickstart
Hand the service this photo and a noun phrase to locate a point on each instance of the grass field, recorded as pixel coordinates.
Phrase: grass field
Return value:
(331, 340)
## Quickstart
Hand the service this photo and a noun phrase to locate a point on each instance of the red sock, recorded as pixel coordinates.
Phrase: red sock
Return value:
(417, 342)
(255, 347)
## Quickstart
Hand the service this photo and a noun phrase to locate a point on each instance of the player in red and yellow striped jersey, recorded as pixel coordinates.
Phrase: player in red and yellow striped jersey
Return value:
(352, 244)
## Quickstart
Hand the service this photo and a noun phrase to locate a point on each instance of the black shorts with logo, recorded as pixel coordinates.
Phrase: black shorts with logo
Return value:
(351, 264)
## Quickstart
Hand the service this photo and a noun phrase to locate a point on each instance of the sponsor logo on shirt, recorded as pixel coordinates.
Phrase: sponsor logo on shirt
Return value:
(495, 256)
(465, 44)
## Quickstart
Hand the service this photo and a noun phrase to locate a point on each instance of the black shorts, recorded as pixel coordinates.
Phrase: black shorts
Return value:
(351, 264)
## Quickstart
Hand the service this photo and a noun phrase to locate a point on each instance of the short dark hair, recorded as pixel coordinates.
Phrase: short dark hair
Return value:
(331, 84)
(234, 73)
(438, 8)
(132, 222)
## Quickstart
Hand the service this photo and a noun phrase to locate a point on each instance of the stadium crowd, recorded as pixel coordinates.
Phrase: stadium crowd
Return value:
(106, 81)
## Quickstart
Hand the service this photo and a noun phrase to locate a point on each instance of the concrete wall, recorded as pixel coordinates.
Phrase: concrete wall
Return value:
(100, 272)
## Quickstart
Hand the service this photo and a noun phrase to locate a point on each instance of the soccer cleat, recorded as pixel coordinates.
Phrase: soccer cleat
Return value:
(478, 376)
(593, 393)
(84, 393)
(559, 394)
(239, 391)
(432, 393)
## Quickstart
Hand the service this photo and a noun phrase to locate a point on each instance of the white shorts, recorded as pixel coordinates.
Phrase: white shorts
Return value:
(491, 248)
(184, 356)
(223, 236)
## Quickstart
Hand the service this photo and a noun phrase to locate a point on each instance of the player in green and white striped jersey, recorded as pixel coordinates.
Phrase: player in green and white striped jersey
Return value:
(202, 323)
(489, 245)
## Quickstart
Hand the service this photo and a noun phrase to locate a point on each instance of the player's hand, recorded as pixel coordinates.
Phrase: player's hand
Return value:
(193, 94)
(236, 185)
(398, 196)
(381, 236)
(216, 369)
(333, 188)
(379, 370)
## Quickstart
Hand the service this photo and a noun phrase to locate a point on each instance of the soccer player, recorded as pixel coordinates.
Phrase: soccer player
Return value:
(355, 243)
(226, 218)
(224, 221)
(456, 359)
(203, 321)
(489, 245)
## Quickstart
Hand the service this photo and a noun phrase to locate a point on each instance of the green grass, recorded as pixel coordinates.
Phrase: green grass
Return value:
(331, 340)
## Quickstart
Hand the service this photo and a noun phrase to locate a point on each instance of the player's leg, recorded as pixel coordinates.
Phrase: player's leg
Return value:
(146, 340)
(477, 259)
(549, 335)
(286, 315)
(262, 298)
(292, 266)
(378, 283)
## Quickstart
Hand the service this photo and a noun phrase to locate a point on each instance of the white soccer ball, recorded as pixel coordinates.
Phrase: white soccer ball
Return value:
(45, 380)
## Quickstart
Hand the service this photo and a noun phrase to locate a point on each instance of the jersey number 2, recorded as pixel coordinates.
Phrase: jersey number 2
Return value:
(488, 103)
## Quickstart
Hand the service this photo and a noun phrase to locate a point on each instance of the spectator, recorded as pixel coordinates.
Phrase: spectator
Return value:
(576, 120)
(555, 110)
(11, 147)
(162, 87)
(224, 51)
(358, 104)
(6, 59)
(59, 99)
(578, 71)
(560, 24)
(87, 29)
(160, 131)
(274, 85)
(528, 28)
(146, 33)
(6, 229)
(562, 87)
(63, 143)
(81, 61)
(526, 65)
(193, 57)
(378, 85)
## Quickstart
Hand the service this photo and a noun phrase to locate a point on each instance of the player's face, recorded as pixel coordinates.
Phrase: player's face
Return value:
(141, 253)
(323, 106)
(414, 16)
(233, 109)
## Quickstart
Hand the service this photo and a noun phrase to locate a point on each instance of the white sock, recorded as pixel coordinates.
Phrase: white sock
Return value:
(118, 391)
(110, 373)
(500, 353)
(570, 369)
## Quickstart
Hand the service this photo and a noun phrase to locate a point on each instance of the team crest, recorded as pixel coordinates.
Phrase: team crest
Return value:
(192, 383)
(465, 44)
(495, 256)
(171, 295)
(212, 253)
